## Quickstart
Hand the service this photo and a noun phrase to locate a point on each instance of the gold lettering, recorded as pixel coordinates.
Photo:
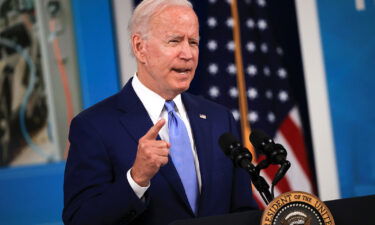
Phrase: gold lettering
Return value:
(320, 208)
(306, 198)
(273, 210)
(284, 200)
(327, 218)
(275, 207)
(325, 214)
(289, 196)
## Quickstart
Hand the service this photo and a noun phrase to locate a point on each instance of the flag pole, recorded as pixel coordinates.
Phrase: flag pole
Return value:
(241, 83)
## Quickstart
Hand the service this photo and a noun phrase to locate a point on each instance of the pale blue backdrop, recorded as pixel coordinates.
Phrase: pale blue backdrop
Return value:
(348, 37)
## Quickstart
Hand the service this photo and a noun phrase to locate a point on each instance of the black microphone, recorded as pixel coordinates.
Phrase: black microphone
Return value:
(242, 157)
(233, 149)
(275, 153)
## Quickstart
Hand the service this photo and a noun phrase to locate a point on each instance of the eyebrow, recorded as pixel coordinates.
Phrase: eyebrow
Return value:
(180, 37)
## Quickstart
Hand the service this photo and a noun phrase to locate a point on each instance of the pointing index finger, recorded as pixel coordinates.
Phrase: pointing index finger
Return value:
(153, 132)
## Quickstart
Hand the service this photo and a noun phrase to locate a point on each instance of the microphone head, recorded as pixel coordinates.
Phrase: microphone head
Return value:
(226, 142)
(276, 153)
(259, 139)
(234, 150)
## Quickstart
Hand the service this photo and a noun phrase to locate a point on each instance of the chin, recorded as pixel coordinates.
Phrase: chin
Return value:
(184, 87)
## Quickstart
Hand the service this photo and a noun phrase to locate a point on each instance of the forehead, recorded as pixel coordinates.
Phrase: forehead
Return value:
(175, 19)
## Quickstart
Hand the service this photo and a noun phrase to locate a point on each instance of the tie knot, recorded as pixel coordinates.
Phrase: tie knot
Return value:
(169, 105)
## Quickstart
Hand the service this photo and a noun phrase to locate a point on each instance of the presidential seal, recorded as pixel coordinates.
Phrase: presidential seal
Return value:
(297, 208)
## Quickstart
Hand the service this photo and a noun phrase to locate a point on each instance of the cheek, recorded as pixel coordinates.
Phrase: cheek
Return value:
(163, 58)
(154, 55)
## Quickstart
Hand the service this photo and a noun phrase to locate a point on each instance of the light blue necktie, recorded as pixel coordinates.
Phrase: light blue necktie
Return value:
(182, 155)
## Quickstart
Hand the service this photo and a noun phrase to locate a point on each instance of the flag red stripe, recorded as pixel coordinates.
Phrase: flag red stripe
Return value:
(294, 137)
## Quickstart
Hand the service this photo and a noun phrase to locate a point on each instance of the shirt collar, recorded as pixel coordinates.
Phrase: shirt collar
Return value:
(153, 102)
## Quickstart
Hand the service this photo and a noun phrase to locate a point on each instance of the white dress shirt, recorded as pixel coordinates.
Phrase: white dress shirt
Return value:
(154, 105)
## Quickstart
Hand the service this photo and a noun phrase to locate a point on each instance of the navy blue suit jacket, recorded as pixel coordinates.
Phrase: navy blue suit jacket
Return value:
(103, 146)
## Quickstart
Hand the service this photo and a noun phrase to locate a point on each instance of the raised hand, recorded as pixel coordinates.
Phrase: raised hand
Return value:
(151, 155)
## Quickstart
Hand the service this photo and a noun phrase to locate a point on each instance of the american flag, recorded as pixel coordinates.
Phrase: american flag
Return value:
(271, 106)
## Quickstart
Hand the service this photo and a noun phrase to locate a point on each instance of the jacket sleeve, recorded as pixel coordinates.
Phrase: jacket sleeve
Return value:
(93, 194)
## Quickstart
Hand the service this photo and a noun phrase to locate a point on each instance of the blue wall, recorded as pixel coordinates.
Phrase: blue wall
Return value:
(348, 38)
(96, 50)
(33, 194)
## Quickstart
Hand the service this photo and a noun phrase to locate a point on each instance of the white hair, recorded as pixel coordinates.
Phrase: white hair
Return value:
(139, 22)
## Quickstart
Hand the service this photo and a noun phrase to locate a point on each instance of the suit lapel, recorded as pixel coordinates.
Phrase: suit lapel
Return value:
(137, 122)
(135, 118)
(200, 123)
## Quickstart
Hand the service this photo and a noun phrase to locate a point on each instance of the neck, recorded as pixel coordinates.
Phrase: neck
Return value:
(164, 94)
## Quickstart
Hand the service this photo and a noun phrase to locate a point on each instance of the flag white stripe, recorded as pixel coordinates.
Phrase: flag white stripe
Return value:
(294, 115)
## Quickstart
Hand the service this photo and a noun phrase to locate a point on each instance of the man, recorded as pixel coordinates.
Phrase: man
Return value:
(150, 154)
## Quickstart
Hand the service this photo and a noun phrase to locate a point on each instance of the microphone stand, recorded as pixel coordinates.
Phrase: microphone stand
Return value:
(259, 182)
(278, 176)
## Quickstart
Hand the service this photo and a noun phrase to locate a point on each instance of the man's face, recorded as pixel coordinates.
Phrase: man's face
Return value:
(169, 56)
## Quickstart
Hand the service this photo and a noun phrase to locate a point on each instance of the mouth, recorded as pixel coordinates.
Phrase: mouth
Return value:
(182, 70)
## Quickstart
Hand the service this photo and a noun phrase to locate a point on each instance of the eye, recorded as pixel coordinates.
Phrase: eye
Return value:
(194, 43)
(173, 41)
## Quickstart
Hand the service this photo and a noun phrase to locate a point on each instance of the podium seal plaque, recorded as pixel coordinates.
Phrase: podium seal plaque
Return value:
(297, 208)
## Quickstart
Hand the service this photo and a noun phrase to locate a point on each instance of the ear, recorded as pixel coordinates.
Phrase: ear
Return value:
(139, 47)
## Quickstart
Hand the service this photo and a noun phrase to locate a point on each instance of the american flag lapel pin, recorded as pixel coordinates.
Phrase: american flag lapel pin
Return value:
(203, 116)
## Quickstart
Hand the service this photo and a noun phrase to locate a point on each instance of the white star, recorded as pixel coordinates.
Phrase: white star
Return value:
(252, 93)
(253, 116)
(283, 96)
(266, 71)
(269, 94)
(229, 2)
(250, 23)
(262, 24)
(250, 46)
(212, 45)
(279, 50)
(214, 92)
(282, 73)
(211, 22)
(231, 68)
(236, 114)
(230, 46)
(213, 68)
(252, 70)
(230, 22)
(261, 3)
(212, 1)
(233, 92)
(271, 117)
(264, 47)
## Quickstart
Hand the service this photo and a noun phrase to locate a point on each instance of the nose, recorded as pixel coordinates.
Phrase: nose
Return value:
(186, 51)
